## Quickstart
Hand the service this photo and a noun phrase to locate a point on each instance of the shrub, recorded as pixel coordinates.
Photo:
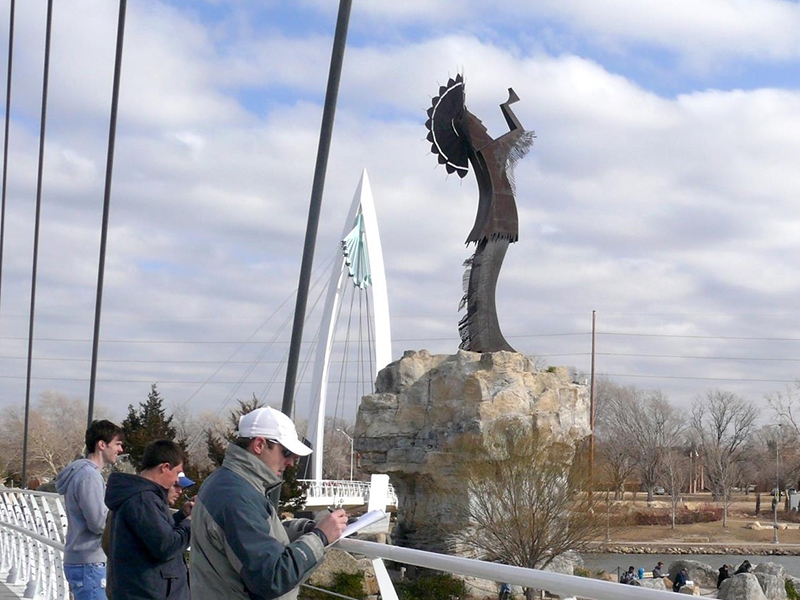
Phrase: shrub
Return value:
(707, 514)
(791, 591)
(588, 573)
(346, 584)
(432, 586)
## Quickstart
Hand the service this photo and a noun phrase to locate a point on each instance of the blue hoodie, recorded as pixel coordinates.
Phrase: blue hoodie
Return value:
(83, 489)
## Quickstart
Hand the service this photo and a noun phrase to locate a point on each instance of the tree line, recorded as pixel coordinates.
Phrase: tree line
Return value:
(723, 443)
(57, 425)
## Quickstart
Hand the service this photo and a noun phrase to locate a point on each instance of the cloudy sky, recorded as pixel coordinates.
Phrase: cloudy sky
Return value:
(662, 190)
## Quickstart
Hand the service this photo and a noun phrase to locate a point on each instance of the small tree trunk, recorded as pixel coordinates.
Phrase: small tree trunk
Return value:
(758, 503)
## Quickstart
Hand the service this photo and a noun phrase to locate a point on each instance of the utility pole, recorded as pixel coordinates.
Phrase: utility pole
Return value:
(591, 405)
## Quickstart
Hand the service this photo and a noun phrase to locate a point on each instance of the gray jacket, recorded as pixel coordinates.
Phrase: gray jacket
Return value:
(83, 489)
(240, 547)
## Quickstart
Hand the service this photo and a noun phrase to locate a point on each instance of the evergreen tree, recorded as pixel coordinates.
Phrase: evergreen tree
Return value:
(150, 422)
(217, 441)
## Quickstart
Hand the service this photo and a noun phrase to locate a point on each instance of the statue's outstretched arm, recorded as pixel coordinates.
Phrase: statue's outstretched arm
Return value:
(511, 118)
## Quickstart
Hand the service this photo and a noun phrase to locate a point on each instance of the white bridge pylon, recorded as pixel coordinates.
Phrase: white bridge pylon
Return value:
(362, 222)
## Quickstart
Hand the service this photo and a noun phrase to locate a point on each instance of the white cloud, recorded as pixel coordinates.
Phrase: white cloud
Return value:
(630, 203)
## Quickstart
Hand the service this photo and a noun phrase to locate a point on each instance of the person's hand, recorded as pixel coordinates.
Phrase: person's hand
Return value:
(333, 525)
(188, 506)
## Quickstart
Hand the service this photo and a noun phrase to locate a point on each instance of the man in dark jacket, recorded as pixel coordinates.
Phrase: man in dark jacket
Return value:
(723, 575)
(147, 541)
(680, 580)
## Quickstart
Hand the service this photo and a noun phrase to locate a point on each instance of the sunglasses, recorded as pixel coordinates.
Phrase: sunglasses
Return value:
(286, 453)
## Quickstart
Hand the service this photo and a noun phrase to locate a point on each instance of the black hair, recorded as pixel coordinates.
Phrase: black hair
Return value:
(162, 451)
(244, 442)
(102, 431)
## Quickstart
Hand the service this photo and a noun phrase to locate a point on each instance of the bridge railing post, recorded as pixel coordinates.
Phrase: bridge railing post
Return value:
(31, 541)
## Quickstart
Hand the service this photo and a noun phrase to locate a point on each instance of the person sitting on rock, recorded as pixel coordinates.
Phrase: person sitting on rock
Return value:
(745, 567)
(723, 575)
(628, 576)
(658, 570)
(680, 580)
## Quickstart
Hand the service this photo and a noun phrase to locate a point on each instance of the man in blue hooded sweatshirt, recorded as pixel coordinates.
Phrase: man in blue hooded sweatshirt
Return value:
(83, 489)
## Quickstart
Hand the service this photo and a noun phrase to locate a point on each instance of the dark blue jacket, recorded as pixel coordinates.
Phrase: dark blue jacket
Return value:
(147, 542)
(680, 581)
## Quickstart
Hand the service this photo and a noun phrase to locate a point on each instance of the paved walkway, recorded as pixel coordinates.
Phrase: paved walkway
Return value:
(10, 593)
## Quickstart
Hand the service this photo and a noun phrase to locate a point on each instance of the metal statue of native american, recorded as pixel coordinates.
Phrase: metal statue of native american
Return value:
(459, 139)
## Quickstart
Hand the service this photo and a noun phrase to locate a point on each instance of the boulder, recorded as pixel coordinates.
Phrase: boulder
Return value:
(653, 584)
(565, 563)
(371, 587)
(424, 405)
(743, 586)
(690, 590)
(774, 587)
(770, 568)
(335, 561)
(700, 573)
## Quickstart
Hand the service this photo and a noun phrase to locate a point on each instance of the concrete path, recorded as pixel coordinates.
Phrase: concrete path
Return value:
(13, 592)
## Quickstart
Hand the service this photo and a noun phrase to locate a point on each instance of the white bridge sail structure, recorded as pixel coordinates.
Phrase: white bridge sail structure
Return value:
(361, 265)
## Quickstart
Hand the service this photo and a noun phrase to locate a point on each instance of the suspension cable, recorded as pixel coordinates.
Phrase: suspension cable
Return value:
(101, 268)
(40, 170)
(5, 139)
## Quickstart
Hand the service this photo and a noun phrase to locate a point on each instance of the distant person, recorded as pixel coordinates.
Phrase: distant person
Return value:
(505, 592)
(723, 575)
(147, 539)
(240, 547)
(745, 567)
(680, 580)
(83, 488)
(176, 490)
(628, 576)
(658, 570)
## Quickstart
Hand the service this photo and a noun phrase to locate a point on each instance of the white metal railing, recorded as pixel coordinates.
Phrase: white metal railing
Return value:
(33, 527)
(330, 492)
(557, 583)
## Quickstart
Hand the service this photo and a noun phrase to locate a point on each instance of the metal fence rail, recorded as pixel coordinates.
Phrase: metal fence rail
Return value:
(33, 527)
(557, 583)
(330, 492)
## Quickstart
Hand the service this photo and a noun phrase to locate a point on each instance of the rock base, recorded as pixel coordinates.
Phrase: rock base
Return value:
(425, 405)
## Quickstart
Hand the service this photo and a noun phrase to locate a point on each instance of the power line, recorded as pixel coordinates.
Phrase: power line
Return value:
(730, 379)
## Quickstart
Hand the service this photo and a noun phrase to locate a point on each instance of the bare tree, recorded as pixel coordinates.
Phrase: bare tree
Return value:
(786, 406)
(612, 437)
(722, 424)
(191, 429)
(56, 428)
(336, 459)
(675, 466)
(637, 430)
(525, 503)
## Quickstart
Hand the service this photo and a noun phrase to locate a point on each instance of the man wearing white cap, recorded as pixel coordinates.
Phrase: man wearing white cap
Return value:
(240, 547)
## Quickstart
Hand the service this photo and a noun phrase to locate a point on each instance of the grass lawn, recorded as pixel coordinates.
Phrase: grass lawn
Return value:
(740, 514)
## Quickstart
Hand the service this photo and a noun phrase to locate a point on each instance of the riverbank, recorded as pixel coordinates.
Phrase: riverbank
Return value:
(672, 548)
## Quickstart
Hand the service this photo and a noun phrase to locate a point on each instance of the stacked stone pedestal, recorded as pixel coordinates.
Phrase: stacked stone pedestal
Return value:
(425, 405)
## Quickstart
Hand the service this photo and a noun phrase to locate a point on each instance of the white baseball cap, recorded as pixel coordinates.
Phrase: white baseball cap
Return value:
(272, 425)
